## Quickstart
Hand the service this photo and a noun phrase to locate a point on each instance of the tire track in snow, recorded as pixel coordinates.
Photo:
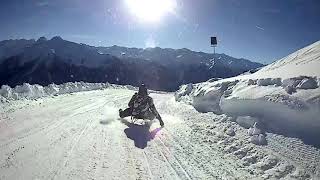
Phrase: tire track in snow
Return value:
(220, 167)
(85, 157)
(51, 126)
(42, 149)
(101, 165)
(185, 175)
(112, 98)
(109, 162)
(75, 141)
(48, 124)
(135, 163)
(166, 160)
(148, 165)
(101, 150)
(184, 148)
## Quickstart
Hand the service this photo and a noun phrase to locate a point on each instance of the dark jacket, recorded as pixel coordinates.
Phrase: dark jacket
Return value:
(142, 104)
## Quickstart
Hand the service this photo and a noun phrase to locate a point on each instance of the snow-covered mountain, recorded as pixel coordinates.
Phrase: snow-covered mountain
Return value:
(69, 52)
(168, 56)
(54, 69)
(58, 61)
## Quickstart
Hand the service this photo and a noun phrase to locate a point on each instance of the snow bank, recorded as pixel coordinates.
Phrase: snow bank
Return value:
(269, 81)
(204, 98)
(246, 121)
(258, 139)
(2, 99)
(183, 91)
(27, 91)
(266, 101)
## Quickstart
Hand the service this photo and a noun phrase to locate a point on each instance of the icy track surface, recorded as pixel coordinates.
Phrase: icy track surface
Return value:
(79, 136)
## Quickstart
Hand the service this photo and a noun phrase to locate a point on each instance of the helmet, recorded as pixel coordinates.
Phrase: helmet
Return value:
(143, 90)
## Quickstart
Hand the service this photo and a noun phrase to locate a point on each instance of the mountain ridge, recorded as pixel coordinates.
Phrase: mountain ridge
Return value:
(162, 69)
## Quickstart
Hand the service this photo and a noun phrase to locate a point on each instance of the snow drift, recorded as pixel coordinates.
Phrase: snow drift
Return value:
(27, 91)
(284, 96)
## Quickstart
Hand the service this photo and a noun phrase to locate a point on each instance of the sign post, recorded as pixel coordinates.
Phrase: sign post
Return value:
(214, 43)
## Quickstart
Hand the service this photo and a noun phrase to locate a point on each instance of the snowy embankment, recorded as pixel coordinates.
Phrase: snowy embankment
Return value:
(27, 91)
(283, 97)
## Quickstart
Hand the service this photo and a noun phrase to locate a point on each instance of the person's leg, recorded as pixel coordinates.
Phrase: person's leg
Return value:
(127, 112)
(161, 122)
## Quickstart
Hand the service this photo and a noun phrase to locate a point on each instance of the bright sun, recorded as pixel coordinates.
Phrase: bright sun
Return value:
(151, 10)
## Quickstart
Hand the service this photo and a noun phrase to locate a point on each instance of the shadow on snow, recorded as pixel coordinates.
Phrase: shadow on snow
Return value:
(140, 134)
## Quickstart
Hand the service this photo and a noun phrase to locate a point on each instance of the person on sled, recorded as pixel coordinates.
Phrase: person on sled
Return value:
(141, 107)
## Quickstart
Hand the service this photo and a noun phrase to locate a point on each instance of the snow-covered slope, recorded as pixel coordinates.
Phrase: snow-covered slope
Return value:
(283, 97)
(304, 62)
(69, 52)
(79, 136)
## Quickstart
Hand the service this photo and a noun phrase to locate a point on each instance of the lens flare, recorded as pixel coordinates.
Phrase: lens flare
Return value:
(150, 42)
(151, 10)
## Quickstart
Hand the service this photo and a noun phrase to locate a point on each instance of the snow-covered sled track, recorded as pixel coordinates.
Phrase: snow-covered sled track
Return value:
(74, 143)
(79, 107)
(172, 160)
(79, 136)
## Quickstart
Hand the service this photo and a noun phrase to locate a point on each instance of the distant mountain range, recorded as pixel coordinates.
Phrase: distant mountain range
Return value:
(57, 61)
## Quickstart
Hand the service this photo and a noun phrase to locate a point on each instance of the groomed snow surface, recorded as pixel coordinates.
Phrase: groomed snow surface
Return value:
(79, 136)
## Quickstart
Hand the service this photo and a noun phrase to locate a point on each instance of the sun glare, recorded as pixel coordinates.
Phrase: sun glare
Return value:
(151, 10)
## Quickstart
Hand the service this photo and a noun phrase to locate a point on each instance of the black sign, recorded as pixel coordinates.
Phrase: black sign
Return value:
(214, 41)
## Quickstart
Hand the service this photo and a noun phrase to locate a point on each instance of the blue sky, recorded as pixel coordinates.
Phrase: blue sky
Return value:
(261, 31)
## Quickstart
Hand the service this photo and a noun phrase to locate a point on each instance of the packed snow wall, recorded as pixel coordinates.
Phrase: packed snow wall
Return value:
(284, 106)
(27, 91)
